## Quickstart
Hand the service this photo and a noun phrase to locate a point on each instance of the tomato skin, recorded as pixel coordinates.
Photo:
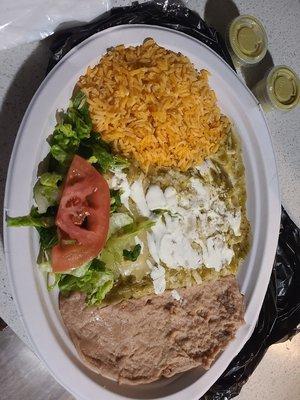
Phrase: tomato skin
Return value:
(65, 258)
(82, 217)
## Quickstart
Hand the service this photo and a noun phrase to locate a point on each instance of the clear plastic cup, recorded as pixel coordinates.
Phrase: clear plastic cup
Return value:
(279, 89)
(246, 40)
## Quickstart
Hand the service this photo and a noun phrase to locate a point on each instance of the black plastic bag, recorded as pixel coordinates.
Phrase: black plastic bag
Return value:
(174, 16)
(278, 318)
(280, 313)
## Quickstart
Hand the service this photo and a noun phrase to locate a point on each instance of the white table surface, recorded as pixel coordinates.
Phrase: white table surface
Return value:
(23, 68)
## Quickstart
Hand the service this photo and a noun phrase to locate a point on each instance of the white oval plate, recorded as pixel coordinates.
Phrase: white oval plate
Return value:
(38, 308)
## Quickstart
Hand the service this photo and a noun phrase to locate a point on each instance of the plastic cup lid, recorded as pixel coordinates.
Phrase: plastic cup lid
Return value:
(283, 87)
(248, 39)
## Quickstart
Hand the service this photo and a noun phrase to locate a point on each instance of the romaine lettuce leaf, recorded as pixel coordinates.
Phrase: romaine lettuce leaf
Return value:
(75, 126)
(105, 160)
(46, 191)
(78, 101)
(98, 152)
(64, 142)
(115, 200)
(80, 271)
(48, 237)
(52, 280)
(118, 221)
(43, 260)
(96, 282)
(33, 219)
(44, 264)
(73, 135)
(112, 254)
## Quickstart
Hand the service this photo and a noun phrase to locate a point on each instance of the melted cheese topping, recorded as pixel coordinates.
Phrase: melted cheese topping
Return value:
(120, 182)
(158, 276)
(192, 224)
(138, 196)
(176, 295)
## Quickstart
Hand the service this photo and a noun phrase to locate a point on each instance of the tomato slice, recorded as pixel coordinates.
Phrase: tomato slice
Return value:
(82, 217)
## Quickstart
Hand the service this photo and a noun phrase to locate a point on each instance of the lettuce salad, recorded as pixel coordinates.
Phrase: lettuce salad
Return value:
(72, 135)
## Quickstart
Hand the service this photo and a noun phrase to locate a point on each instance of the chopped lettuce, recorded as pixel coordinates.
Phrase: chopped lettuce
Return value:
(43, 260)
(96, 282)
(73, 135)
(52, 280)
(79, 102)
(48, 237)
(99, 153)
(46, 191)
(115, 200)
(34, 219)
(132, 255)
(94, 264)
(105, 160)
(75, 125)
(91, 278)
(44, 224)
(81, 124)
(112, 254)
(50, 179)
(80, 271)
(118, 221)
(44, 264)
(64, 142)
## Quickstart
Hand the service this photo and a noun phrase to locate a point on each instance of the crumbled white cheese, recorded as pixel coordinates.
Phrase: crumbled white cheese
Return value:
(119, 181)
(158, 276)
(155, 198)
(154, 239)
(234, 220)
(201, 190)
(158, 230)
(138, 196)
(118, 221)
(170, 197)
(176, 295)
(216, 253)
(152, 247)
(192, 232)
(176, 251)
(205, 167)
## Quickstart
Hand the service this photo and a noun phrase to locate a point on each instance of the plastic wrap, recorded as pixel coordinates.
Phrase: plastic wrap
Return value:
(169, 14)
(280, 313)
(25, 21)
